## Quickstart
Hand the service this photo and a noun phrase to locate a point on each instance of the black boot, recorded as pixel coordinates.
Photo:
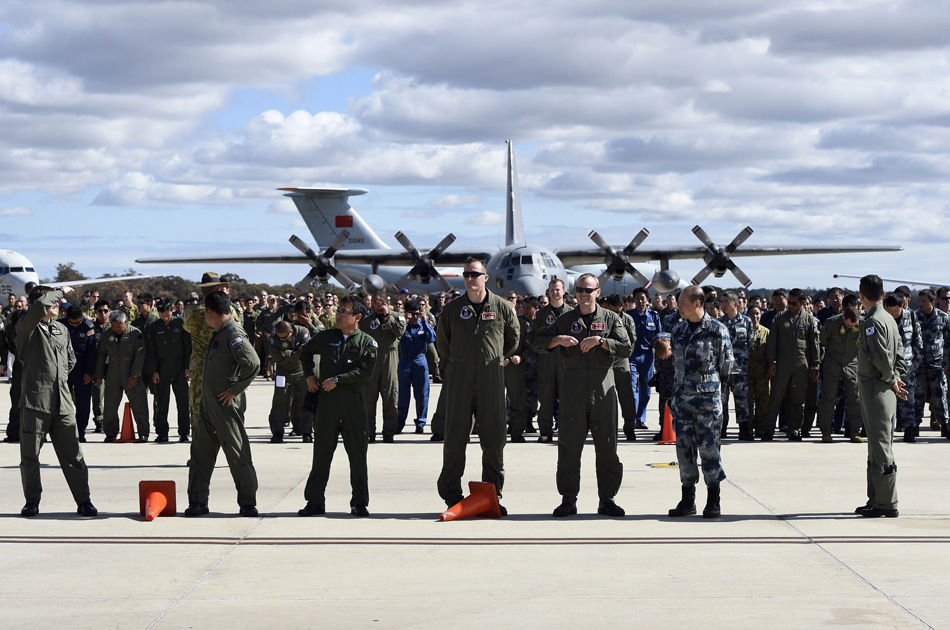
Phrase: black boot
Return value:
(745, 432)
(687, 504)
(712, 503)
(910, 434)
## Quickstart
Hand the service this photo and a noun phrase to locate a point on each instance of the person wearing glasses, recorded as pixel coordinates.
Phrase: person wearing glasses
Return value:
(100, 324)
(794, 356)
(347, 358)
(476, 332)
(590, 339)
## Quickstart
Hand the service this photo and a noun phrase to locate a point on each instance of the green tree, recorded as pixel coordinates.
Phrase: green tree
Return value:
(67, 272)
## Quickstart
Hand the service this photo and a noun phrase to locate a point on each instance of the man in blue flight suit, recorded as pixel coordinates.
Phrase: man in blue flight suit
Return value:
(82, 336)
(413, 367)
(648, 326)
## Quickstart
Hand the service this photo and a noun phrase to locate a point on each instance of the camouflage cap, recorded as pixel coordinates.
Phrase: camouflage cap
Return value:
(211, 279)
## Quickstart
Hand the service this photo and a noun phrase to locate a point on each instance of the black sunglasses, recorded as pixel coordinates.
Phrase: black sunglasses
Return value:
(473, 274)
(587, 290)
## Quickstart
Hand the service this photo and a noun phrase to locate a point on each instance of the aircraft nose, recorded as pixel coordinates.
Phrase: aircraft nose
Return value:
(526, 285)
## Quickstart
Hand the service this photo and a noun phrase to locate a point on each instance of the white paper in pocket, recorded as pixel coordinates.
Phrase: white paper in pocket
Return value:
(281, 381)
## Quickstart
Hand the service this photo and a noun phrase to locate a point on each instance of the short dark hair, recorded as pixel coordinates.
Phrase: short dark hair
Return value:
(218, 302)
(145, 297)
(850, 300)
(73, 312)
(927, 293)
(851, 313)
(412, 306)
(891, 300)
(903, 290)
(613, 300)
(163, 305)
(302, 306)
(872, 287)
(101, 303)
(779, 293)
(530, 302)
(798, 294)
(640, 290)
(356, 305)
(283, 326)
(37, 292)
(474, 259)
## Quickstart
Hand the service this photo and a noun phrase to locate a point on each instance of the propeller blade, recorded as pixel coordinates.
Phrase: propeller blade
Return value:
(701, 235)
(739, 274)
(637, 240)
(703, 273)
(442, 246)
(342, 278)
(407, 244)
(639, 277)
(337, 244)
(739, 239)
(445, 284)
(601, 243)
(404, 280)
(307, 280)
(604, 277)
(297, 242)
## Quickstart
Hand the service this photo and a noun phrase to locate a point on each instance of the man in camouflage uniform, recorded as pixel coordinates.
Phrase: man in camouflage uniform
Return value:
(120, 363)
(702, 353)
(839, 337)
(290, 387)
(931, 376)
(201, 332)
(794, 356)
(881, 373)
(913, 343)
(386, 328)
(740, 335)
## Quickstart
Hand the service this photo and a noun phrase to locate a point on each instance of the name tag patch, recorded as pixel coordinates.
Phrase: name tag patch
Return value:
(488, 316)
(596, 326)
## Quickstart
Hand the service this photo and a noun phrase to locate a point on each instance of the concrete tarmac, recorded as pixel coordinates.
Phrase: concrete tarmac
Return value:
(788, 552)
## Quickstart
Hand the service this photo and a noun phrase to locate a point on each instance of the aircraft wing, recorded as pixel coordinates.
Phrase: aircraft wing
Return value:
(79, 283)
(913, 282)
(594, 255)
(385, 257)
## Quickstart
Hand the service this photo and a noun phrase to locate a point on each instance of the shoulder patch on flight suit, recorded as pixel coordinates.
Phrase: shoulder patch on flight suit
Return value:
(373, 325)
(89, 333)
(550, 319)
(373, 343)
(576, 326)
(869, 331)
(237, 341)
(467, 312)
(788, 324)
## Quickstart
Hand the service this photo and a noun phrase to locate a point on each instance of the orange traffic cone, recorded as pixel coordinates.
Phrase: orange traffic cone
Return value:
(156, 498)
(668, 436)
(481, 501)
(128, 433)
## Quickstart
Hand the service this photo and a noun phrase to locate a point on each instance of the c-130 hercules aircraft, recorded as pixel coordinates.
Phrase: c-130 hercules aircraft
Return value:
(357, 255)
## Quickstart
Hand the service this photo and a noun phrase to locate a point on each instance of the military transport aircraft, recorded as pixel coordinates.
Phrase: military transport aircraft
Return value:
(357, 255)
(18, 276)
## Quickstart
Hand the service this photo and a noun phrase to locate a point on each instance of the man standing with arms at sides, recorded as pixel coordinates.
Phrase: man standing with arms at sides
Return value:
(100, 324)
(549, 363)
(386, 328)
(839, 337)
(45, 405)
(703, 357)
(881, 373)
(897, 305)
(120, 362)
(166, 364)
(413, 369)
(648, 326)
(347, 356)
(932, 377)
(476, 332)
(592, 338)
(794, 356)
(230, 364)
(622, 378)
(740, 335)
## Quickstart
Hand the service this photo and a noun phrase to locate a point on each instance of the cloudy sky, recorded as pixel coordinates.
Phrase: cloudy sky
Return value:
(158, 128)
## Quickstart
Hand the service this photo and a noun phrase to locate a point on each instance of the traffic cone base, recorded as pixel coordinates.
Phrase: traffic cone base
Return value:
(668, 436)
(481, 501)
(128, 433)
(156, 498)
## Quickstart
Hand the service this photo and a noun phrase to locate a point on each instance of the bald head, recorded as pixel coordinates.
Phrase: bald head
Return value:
(691, 303)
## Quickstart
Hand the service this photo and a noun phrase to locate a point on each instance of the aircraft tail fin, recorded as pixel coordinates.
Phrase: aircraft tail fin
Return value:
(514, 226)
(327, 212)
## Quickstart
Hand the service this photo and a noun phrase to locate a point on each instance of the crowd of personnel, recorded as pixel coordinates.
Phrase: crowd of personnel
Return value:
(784, 362)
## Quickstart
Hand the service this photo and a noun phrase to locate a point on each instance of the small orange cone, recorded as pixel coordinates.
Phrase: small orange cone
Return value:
(128, 433)
(481, 501)
(156, 498)
(668, 436)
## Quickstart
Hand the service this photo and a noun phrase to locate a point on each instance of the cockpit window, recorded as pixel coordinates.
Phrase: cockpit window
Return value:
(16, 269)
(527, 260)
(4, 270)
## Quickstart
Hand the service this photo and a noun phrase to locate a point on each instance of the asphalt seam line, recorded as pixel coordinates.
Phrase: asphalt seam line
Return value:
(831, 555)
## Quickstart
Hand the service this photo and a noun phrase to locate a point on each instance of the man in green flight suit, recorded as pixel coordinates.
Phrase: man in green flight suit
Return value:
(386, 328)
(119, 363)
(166, 364)
(230, 364)
(476, 332)
(46, 354)
(881, 374)
(347, 357)
(290, 384)
(839, 337)
(549, 363)
(592, 338)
